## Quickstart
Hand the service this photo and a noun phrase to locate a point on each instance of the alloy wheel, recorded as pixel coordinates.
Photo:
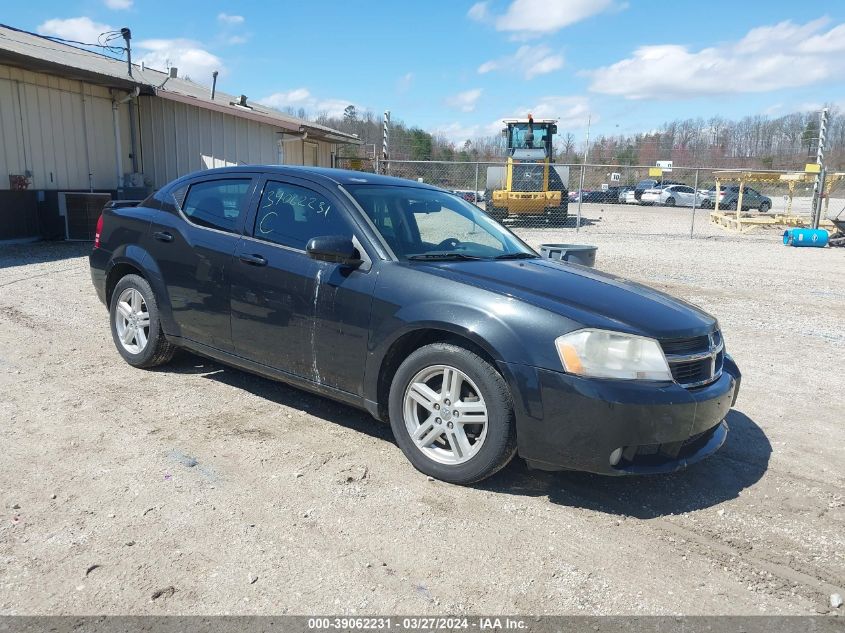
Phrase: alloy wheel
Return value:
(445, 414)
(132, 321)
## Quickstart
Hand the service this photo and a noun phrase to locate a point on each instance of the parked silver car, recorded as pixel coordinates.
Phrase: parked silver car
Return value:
(673, 195)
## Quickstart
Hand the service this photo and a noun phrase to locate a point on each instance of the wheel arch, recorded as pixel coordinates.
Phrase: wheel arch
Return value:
(135, 260)
(410, 341)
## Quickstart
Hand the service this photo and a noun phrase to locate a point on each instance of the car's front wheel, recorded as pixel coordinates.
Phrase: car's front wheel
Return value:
(135, 324)
(764, 207)
(452, 414)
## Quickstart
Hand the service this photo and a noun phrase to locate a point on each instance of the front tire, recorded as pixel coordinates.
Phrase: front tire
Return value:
(135, 324)
(670, 202)
(452, 414)
(764, 207)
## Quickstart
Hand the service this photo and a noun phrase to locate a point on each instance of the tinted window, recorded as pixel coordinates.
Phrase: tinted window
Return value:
(646, 184)
(291, 215)
(685, 189)
(216, 203)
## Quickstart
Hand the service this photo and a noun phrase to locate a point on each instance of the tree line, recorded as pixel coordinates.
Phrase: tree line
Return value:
(752, 142)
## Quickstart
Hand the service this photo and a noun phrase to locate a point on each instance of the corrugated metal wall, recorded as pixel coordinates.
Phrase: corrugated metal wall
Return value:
(178, 138)
(59, 130)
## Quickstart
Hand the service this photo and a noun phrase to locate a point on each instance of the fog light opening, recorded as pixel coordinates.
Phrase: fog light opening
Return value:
(616, 456)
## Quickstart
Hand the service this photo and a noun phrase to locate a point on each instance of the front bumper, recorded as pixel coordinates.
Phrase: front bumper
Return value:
(526, 202)
(568, 422)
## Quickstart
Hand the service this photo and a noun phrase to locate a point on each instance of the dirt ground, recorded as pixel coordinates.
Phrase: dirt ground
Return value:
(205, 490)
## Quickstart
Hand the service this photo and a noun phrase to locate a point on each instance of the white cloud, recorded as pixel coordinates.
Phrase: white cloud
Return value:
(571, 111)
(464, 101)
(227, 18)
(302, 98)
(529, 61)
(237, 39)
(81, 29)
(784, 55)
(405, 82)
(458, 133)
(534, 18)
(187, 55)
(119, 5)
(479, 12)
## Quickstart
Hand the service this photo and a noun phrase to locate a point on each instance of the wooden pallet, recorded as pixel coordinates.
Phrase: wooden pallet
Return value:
(745, 222)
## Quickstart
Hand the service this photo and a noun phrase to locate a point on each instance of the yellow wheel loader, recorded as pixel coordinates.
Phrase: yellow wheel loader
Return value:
(530, 185)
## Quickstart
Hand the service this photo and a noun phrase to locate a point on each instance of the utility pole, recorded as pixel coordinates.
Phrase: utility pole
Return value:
(385, 141)
(127, 36)
(818, 186)
(583, 168)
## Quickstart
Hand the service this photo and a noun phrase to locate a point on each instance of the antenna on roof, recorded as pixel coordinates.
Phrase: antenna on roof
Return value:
(127, 35)
(213, 84)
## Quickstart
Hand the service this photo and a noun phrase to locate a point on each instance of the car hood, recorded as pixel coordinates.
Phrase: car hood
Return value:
(584, 295)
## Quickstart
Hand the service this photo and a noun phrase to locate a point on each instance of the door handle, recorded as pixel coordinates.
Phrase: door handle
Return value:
(163, 236)
(253, 260)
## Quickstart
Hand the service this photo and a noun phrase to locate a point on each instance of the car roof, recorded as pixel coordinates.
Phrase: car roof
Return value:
(325, 175)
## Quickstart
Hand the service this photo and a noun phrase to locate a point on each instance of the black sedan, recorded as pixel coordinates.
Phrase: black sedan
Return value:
(409, 302)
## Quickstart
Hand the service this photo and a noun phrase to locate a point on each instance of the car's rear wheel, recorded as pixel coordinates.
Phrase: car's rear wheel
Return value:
(135, 324)
(670, 201)
(764, 207)
(452, 414)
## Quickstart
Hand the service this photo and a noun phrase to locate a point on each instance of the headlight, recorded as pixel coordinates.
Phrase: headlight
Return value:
(605, 354)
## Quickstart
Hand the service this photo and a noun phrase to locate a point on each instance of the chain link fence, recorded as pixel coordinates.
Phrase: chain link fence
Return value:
(604, 198)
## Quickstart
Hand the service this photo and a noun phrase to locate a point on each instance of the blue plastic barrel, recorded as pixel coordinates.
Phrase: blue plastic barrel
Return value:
(805, 237)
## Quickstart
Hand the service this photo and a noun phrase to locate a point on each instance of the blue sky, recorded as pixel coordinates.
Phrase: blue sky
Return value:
(459, 67)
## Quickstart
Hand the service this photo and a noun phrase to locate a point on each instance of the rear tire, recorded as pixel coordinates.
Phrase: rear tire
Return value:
(764, 207)
(494, 212)
(136, 325)
(430, 386)
(670, 202)
(558, 216)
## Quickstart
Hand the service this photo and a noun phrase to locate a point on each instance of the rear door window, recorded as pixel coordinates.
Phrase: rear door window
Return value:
(291, 215)
(217, 204)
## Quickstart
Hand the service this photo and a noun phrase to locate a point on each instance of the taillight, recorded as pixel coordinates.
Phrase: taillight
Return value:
(98, 231)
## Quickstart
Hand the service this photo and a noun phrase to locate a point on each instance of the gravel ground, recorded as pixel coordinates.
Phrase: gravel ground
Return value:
(202, 489)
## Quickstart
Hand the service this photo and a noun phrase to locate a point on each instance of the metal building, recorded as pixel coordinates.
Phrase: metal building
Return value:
(76, 129)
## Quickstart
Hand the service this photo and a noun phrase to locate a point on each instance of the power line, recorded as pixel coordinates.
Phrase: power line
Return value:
(103, 37)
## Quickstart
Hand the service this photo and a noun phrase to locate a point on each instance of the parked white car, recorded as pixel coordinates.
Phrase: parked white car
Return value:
(673, 195)
(629, 197)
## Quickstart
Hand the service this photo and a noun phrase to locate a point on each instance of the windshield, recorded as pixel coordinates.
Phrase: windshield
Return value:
(430, 224)
(521, 137)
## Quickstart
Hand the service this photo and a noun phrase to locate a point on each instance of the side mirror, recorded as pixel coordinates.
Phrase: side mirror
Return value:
(336, 249)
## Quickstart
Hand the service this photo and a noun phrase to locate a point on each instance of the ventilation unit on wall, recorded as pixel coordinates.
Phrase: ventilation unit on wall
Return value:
(81, 212)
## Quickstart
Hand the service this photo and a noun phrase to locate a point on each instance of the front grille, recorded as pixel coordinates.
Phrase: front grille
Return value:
(656, 453)
(527, 177)
(695, 361)
(691, 371)
(685, 345)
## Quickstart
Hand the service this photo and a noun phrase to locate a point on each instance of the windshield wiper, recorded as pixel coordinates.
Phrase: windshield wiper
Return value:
(517, 256)
(442, 255)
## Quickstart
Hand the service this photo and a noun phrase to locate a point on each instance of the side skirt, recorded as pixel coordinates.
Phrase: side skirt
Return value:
(270, 372)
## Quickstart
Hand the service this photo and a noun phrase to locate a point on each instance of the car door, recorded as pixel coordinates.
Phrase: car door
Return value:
(291, 312)
(754, 198)
(192, 243)
(685, 195)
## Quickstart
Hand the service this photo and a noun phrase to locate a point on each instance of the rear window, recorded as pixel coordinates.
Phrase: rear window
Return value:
(646, 184)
